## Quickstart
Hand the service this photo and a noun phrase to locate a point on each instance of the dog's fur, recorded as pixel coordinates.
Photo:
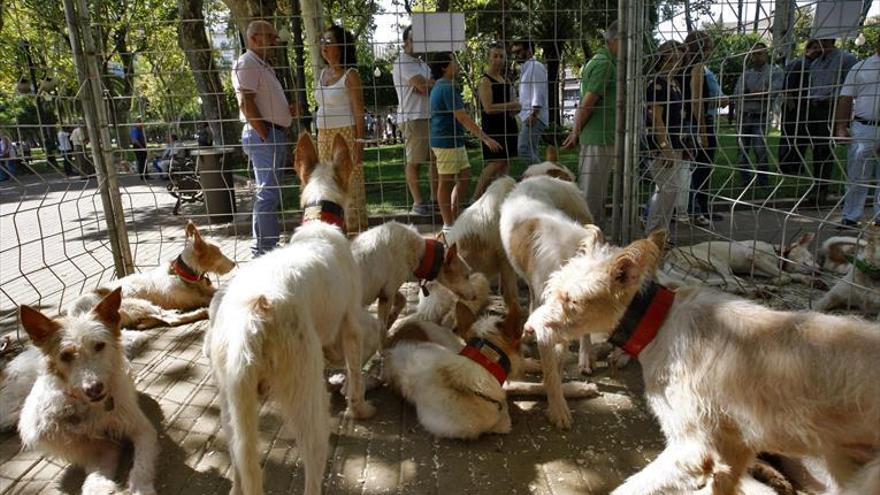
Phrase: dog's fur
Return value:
(387, 256)
(274, 319)
(726, 377)
(719, 263)
(832, 255)
(550, 167)
(439, 305)
(83, 401)
(454, 396)
(856, 289)
(159, 297)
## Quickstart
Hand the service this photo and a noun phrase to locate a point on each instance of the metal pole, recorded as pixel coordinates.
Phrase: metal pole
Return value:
(89, 74)
(620, 141)
(634, 122)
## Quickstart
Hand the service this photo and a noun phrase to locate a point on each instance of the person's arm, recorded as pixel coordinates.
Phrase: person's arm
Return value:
(484, 91)
(356, 96)
(420, 85)
(697, 81)
(539, 91)
(843, 116)
(252, 114)
(581, 117)
(465, 120)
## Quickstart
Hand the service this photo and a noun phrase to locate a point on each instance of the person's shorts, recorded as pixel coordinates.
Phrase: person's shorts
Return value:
(415, 134)
(451, 160)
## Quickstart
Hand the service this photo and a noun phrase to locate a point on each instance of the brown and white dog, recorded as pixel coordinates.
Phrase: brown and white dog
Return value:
(390, 254)
(173, 294)
(271, 325)
(835, 255)
(84, 401)
(726, 378)
(860, 287)
(550, 167)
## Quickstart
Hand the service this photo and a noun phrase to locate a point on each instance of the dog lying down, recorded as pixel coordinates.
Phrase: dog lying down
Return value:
(726, 378)
(83, 401)
(459, 389)
(173, 294)
(860, 287)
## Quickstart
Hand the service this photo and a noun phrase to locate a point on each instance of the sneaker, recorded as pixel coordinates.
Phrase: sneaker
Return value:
(702, 221)
(681, 219)
(421, 210)
(846, 223)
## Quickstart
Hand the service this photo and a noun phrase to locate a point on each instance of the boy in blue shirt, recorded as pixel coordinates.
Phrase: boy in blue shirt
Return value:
(449, 119)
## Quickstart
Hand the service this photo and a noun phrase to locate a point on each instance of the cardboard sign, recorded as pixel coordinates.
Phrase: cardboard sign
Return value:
(438, 32)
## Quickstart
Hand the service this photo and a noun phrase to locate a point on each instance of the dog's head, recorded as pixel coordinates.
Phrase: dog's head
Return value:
(83, 352)
(590, 293)
(550, 167)
(798, 257)
(323, 181)
(454, 274)
(505, 333)
(872, 254)
(202, 255)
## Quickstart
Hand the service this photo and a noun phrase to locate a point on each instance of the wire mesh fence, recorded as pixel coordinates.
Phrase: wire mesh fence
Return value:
(149, 99)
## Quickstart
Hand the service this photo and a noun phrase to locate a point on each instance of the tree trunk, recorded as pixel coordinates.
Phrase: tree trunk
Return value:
(312, 18)
(551, 58)
(299, 55)
(443, 5)
(739, 16)
(688, 16)
(121, 106)
(193, 40)
(757, 15)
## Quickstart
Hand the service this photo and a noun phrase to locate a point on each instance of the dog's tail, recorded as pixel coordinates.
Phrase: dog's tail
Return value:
(459, 374)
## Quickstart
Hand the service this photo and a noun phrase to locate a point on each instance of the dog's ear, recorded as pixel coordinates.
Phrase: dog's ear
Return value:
(306, 158)
(193, 231)
(342, 162)
(559, 174)
(593, 238)
(107, 311)
(464, 320)
(38, 326)
(643, 255)
(551, 155)
(804, 239)
(659, 238)
(512, 326)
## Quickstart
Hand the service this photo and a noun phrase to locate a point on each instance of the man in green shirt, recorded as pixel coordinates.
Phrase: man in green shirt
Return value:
(594, 124)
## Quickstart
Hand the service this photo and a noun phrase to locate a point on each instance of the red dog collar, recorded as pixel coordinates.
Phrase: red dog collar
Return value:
(325, 211)
(643, 318)
(184, 271)
(489, 356)
(432, 260)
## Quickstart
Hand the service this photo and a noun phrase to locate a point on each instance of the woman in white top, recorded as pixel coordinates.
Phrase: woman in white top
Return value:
(340, 99)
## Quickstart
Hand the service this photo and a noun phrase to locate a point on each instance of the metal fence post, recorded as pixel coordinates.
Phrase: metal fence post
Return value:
(89, 73)
(620, 138)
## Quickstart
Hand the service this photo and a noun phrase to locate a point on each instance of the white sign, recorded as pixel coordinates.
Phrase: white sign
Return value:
(438, 32)
(837, 19)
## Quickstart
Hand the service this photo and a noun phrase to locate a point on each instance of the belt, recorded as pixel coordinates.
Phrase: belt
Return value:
(865, 121)
(276, 126)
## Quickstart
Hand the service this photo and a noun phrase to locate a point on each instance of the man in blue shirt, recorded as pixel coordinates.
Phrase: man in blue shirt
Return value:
(139, 145)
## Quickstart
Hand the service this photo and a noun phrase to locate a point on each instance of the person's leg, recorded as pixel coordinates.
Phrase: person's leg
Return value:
(491, 171)
(789, 164)
(666, 176)
(141, 157)
(820, 133)
(462, 186)
(596, 166)
(700, 181)
(413, 159)
(264, 155)
(537, 133)
(446, 169)
(529, 140)
(68, 165)
(761, 146)
(434, 176)
(861, 160)
(742, 155)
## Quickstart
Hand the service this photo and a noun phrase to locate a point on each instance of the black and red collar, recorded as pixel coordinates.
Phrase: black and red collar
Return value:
(643, 318)
(432, 260)
(325, 211)
(185, 272)
(489, 356)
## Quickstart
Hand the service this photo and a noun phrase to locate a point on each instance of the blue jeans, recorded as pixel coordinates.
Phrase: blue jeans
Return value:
(268, 158)
(753, 136)
(530, 140)
(862, 170)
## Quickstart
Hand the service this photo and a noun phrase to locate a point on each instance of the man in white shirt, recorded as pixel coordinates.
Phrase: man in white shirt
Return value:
(78, 140)
(533, 89)
(859, 103)
(65, 147)
(412, 81)
(267, 116)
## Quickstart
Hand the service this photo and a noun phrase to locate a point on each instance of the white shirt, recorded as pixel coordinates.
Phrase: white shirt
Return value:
(533, 84)
(64, 140)
(411, 105)
(863, 85)
(76, 137)
(334, 104)
(252, 74)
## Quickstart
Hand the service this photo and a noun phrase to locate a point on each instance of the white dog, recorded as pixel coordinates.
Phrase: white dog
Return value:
(439, 305)
(550, 167)
(274, 319)
(860, 287)
(390, 254)
(175, 293)
(719, 263)
(726, 377)
(84, 401)
(836, 252)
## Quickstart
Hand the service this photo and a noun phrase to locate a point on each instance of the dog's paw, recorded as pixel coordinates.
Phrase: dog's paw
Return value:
(585, 369)
(579, 390)
(559, 416)
(360, 410)
(95, 484)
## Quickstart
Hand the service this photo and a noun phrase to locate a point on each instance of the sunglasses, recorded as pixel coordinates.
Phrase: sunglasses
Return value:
(327, 41)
